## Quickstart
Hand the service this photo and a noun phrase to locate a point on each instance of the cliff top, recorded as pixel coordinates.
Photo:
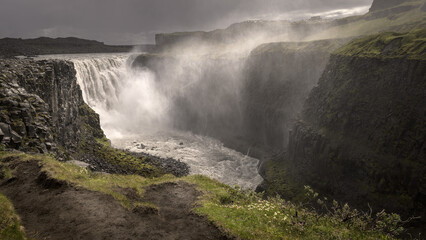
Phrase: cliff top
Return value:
(411, 45)
(328, 45)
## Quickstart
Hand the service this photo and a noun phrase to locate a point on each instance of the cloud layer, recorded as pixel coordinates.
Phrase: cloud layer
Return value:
(136, 21)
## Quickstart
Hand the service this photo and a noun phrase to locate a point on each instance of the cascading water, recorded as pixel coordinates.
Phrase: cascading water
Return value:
(138, 109)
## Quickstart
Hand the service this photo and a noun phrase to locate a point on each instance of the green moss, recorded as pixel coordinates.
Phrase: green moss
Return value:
(5, 173)
(247, 215)
(102, 150)
(278, 181)
(411, 45)
(90, 122)
(299, 47)
(10, 224)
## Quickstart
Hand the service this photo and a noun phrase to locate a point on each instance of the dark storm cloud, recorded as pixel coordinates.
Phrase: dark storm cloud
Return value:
(124, 21)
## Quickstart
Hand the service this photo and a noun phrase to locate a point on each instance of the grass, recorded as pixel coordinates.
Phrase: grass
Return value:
(249, 216)
(10, 224)
(240, 213)
(411, 45)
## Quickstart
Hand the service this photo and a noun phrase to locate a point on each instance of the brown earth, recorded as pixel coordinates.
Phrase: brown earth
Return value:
(51, 209)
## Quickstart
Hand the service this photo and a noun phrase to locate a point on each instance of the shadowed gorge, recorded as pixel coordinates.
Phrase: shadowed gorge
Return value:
(304, 123)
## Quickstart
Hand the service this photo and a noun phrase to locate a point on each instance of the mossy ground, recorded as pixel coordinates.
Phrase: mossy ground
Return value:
(247, 215)
(103, 150)
(411, 45)
(243, 214)
(10, 224)
(277, 177)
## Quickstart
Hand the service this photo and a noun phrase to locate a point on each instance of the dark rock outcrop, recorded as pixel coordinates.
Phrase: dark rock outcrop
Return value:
(362, 134)
(278, 79)
(41, 106)
(25, 120)
(58, 87)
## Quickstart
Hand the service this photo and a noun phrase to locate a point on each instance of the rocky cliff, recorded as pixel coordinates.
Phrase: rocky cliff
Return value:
(278, 79)
(361, 137)
(42, 106)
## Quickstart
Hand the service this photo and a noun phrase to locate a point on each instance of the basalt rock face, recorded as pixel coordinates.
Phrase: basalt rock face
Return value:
(42, 106)
(59, 89)
(279, 77)
(362, 134)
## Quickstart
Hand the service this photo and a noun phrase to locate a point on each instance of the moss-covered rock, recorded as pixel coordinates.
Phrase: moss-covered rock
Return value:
(411, 45)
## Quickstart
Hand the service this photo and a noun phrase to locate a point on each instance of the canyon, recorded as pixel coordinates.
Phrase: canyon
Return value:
(271, 106)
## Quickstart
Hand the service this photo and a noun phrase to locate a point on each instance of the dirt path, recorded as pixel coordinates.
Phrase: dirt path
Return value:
(53, 210)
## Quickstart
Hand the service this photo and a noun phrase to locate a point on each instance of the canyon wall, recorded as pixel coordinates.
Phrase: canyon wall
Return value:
(278, 79)
(42, 107)
(361, 137)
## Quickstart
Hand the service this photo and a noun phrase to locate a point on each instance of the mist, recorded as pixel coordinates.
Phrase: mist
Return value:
(194, 98)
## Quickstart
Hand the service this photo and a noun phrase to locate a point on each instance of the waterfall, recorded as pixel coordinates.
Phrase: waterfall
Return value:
(100, 79)
(129, 101)
(140, 107)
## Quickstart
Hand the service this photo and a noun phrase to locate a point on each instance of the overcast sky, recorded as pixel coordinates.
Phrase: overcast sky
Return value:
(136, 21)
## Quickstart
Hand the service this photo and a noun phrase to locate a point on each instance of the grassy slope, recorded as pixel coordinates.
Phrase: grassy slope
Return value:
(240, 213)
(10, 224)
(367, 24)
(411, 45)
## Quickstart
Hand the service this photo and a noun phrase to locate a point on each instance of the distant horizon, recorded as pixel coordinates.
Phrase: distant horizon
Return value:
(133, 22)
(34, 38)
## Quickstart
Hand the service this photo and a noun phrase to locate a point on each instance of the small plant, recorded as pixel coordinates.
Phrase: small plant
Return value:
(388, 223)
